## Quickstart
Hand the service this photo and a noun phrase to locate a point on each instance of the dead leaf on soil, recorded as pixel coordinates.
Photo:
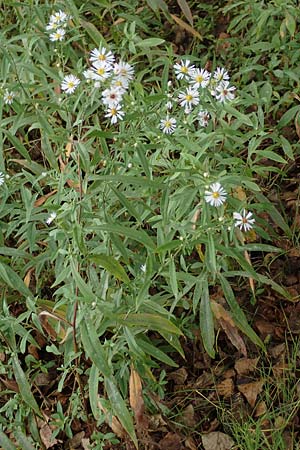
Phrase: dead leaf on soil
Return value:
(265, 328)
(171, 441)
(244, 366)
(113, 422)
(217, 441)
(225, 388)
(251, 391)
(260, 409)
(136, 399)
(46, 436)
(190, 444)
(188, 416)
(226, 322)
(179, 376)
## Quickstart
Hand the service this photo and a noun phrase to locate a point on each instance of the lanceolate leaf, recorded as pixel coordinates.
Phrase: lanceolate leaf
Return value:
(13, 280)
(119, 408)
(207, 322)
(93, 347)
(6, 443)
(237, 313)
(150, 322)
(111, 265)
(24, 386)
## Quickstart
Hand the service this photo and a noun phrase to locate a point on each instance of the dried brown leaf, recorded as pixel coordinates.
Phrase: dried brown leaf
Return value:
(225, 388)
(171, 441)
(27, 278)
(217, 441)
(136, 398)
(226, 322)
(190, 444)
(188, 416)
(261, 409)
(179, 376)
(46, 434)
(186, 27)
(113, 422)
(251, 391)
(244, 366)
(41, 200)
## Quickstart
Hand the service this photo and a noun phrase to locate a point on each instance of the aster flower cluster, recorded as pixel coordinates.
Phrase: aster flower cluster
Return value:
(113, 77)
(198, 81)
(216, 196)
(57, 26)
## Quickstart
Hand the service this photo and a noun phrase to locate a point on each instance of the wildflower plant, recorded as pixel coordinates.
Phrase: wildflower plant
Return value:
(127, 198)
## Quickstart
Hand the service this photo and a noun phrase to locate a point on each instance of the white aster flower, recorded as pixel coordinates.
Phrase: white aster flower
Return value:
(168, 125)
(203, 117)
(115, 113)
(112, 96)
(216, 196)
(8, 97)
(58, 35)
(123, 70)
(69, 84)
(50, 219)
(183, 70)
(58, 17)
(220, 74)
(224, 92)
(169, 104)
(101, 70)
(102, 55)
(199, 78)
(88, 74)
(2, 178)
(244, 220)
(121, 83)
(189, 98)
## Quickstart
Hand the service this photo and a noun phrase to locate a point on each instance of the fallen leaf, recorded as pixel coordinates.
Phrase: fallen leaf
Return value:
(179, 376)
(113, 422)
(244, 366)
(261, 409)
(186, 27)
(46, 434)
(27, 278)
(41, 200)
(225, 388)
(171, 441)
(265, 328)
(188, 416)
(217, 441)
(136, 399)
(190, 444)
(251, 391)
(226, 322)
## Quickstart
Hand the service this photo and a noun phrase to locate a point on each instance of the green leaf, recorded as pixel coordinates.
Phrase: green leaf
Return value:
(127, 180)
(119, 408)
(149, 322)
(238, 115)
(24, 386)
(139, 236)
(155, 352)
(93, 390)
(210, 255)
(94, 33)
(83, 287)
(150, 42)
(207, 322)
(287, 148)
(238, 314)
(274, 213)
(23, 440)
(6, 443)
(271, 155)
(288, 116)
(111, 265)
(173, 279)
(13, 280)
(18, 145)
(128, 205)
(186, 11)
(93, 347)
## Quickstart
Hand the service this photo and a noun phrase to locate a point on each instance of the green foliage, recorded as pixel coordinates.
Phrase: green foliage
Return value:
(106, 229)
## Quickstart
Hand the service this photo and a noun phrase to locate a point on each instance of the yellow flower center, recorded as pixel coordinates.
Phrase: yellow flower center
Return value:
(199, 78)
(168, 124)
(71, 84)
(113, 111)
(100, 71)
(189, 97)
(216, 195)
(101, 57)
(184, 69)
